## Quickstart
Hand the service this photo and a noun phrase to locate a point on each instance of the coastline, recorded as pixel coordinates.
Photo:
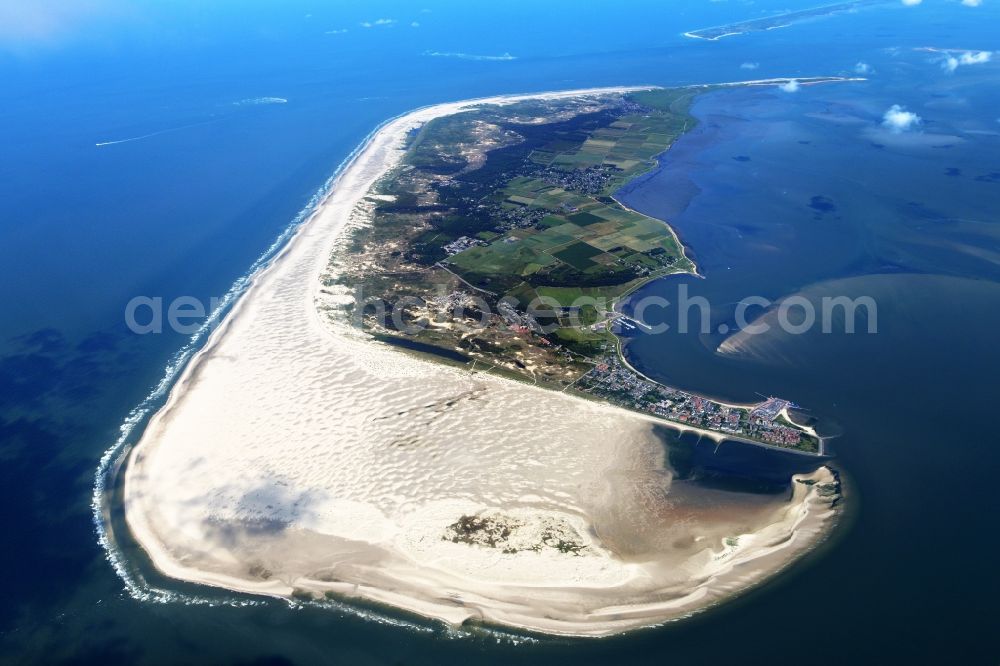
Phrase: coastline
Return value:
(210, 372)
(620, 342)
(781, 20)
(690, 268)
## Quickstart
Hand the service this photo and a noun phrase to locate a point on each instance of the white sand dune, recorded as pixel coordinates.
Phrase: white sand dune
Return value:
(293, 456)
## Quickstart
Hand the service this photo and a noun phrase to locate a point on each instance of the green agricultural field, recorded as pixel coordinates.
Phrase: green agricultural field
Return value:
(582, 243)
(597, 240)
(578, 255)
(630, 144)
(567, 296)
(585, 219)
(585, 342)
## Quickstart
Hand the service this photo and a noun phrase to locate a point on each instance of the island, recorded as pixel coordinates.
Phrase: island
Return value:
(499, 242)
(781, 20)
(461, 457)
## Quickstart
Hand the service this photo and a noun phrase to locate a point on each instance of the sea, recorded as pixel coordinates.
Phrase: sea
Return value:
(161, 150)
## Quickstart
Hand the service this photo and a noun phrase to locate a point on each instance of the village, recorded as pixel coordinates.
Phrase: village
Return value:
(615, 382)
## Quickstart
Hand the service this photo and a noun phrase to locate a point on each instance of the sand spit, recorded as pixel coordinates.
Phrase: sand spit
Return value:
(297, 458)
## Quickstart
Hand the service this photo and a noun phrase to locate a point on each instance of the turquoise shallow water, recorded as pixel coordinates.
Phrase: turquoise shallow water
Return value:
(185, 212)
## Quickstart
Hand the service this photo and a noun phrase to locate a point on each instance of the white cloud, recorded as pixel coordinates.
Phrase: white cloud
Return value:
(863, 68)
(912, 3)
(415, 24)
(790, 86)
(975, 57)
(750, 65)
(257, 101)
(952, 61)
(339, 31)
(469, 56)
(972, 3)
(377, 23)
(897, 119)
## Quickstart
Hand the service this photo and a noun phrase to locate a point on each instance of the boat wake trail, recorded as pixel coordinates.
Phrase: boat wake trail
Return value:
(101, 144)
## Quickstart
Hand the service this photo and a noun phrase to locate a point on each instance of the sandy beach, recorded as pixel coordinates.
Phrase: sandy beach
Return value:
(297, 457)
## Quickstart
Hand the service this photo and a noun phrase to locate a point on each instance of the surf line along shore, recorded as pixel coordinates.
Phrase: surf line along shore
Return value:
(293, 459)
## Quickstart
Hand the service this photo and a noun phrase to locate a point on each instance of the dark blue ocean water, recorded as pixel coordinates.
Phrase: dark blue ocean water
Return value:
(910, 221)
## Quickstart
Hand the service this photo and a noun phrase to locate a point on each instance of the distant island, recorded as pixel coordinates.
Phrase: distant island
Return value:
(498, 242)
(779, 20)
